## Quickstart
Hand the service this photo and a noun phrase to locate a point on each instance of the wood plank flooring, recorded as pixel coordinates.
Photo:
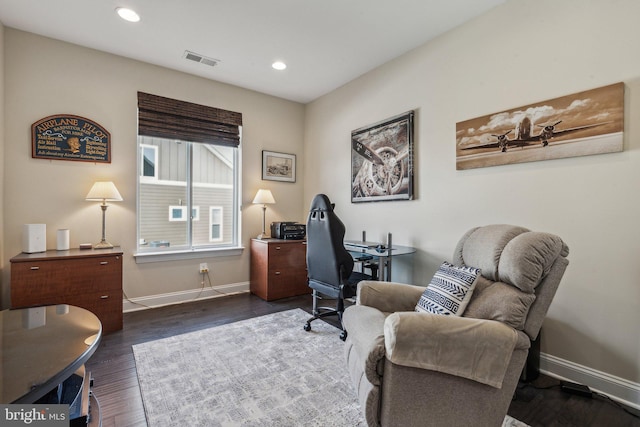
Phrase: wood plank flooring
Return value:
(116, 382)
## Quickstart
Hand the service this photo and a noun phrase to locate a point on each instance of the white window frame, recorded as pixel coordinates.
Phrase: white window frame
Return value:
(170, 254)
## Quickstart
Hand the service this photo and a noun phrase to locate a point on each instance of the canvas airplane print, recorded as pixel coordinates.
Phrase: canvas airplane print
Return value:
(585, 123)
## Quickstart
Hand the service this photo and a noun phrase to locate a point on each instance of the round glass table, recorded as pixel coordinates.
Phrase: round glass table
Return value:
(43, 346)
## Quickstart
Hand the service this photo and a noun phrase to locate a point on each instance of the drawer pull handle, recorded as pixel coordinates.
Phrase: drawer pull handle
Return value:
(35, 268)
(104, 262)
(277, 273)
(277, 248)
(104, 297)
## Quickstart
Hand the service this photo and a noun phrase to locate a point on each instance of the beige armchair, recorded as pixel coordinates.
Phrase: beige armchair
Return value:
(420, 369)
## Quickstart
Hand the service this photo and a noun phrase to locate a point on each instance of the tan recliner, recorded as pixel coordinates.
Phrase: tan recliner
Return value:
(418, 369)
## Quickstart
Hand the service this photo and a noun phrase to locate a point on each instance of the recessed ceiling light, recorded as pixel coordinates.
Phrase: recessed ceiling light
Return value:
(128, 14)
(279, 65)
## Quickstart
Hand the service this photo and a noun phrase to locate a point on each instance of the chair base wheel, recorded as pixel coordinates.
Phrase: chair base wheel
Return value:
(307, 326)
(343, 335)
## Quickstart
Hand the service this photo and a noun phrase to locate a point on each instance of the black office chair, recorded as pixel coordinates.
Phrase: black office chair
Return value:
(329, 265)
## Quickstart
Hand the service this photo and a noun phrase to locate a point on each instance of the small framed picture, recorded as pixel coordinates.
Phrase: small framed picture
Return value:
(278, 166)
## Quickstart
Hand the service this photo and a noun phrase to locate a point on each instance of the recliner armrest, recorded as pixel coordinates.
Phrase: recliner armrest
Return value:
(389, 296)
(476, 349)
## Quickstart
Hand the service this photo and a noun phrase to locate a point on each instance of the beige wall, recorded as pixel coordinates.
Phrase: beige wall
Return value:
(45, 77)
(522, 52)
(517, 54)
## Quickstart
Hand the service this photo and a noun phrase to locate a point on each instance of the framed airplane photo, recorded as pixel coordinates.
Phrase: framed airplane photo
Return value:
(585, 123)
(382, 160)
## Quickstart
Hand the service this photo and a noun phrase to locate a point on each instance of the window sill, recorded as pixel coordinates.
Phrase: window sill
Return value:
(146, 257)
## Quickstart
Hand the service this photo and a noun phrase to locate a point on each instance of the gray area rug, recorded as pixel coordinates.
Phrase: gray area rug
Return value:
(265, 371)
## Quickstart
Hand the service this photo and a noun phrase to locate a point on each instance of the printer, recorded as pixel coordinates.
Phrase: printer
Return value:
(288, 230)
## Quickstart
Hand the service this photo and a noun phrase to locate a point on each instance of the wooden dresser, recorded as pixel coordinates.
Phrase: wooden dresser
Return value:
(91, 279)
(278, 268)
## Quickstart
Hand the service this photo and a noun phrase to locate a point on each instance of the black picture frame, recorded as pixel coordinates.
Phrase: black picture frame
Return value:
(382, 166)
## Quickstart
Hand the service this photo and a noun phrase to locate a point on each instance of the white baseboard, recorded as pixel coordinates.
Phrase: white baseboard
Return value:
(154, 301)
(618, 389)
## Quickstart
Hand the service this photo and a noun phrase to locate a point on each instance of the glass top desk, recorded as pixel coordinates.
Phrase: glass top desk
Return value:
(43, 346)
(363, 251)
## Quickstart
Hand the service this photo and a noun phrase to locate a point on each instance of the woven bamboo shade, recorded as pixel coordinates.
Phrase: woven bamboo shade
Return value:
(169, 118)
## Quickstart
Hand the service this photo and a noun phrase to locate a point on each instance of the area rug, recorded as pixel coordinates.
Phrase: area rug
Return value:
(264, 371)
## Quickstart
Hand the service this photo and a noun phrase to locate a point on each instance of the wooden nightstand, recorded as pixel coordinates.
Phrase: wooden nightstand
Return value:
(91, 279)
(278, 268)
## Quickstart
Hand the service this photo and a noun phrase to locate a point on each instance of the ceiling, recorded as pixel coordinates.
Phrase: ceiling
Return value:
(325, 43)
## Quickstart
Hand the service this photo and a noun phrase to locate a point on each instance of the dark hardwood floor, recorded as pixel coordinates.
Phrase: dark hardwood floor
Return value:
(541, 403)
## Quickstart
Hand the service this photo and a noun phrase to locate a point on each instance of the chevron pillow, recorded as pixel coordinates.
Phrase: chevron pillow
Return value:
(449, 291)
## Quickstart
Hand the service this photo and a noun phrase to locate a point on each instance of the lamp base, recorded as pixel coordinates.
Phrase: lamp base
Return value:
(263, 236)
(103, 245)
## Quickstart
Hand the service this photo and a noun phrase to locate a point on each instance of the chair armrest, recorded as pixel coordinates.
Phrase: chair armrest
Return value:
(389, 296)
(476, 349)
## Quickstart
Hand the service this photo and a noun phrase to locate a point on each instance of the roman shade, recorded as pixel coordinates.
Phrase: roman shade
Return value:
(169, 118)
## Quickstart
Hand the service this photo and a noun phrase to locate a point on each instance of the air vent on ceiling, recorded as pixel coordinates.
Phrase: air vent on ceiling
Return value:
(192, 56)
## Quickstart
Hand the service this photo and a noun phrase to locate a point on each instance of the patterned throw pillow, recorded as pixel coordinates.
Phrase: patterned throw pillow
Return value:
(449, 291)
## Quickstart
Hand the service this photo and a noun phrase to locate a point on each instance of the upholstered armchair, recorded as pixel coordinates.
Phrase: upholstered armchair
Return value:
(415, 361)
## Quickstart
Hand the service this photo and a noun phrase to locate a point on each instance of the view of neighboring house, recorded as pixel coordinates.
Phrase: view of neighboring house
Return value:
(163, 199)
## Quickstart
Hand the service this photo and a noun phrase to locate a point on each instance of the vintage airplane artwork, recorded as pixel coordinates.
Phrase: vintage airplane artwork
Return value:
(524, 137)
(381, 160)
(384, 172)
(585, 123)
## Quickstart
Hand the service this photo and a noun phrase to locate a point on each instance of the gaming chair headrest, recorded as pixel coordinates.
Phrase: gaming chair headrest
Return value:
(321, 203)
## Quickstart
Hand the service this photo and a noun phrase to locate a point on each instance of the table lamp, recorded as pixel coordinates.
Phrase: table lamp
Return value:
(104, 191)
(263, 197)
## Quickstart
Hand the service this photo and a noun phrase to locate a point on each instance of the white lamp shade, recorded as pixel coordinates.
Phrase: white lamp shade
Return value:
(104, 191)
(264, 197)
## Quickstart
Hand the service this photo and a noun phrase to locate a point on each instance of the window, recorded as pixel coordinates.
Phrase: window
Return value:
(215, 223)
(179, 213)
(149, 158)
(189, 158)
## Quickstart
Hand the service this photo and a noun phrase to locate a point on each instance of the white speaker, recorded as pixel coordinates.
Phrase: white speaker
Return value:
(34, 238)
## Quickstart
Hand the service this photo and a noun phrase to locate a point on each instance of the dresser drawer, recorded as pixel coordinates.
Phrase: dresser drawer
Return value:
(106, 305)
(87, 279)
(289, 255)
(278, 268)
(43, 282)
(286, 284)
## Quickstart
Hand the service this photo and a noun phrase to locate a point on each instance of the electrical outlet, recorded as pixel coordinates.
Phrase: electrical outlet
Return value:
(203, 267)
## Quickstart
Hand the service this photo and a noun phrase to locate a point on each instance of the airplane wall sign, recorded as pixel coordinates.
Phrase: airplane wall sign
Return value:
(585, 123)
